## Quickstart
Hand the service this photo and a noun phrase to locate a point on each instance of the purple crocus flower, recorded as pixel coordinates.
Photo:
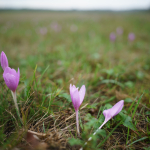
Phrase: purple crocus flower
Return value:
(112, 37)
(77, 97)
(131, 37)
(109, 113)
(3, 60)
(11, 78)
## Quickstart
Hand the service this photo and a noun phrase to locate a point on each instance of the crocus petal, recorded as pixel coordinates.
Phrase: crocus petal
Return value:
(110, 113)
(72, 90)
(7, 70)
(82, 93)
(11, 78)
(10, 71)
(76, 100)
(13, 72)
(10, 81)
(4, 60)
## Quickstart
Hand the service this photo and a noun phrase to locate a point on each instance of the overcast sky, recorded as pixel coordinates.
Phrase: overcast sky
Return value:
(76, 4)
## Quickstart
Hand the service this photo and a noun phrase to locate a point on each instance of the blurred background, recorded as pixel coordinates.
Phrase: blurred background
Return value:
(87, 41)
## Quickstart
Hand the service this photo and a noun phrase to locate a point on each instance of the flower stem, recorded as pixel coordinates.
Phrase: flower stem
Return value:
(90, 138)
(16, 105)
(77, 122)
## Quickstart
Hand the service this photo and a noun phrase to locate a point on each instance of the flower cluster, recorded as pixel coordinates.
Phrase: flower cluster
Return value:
(119, 31)
(77, 97)
(11, 78)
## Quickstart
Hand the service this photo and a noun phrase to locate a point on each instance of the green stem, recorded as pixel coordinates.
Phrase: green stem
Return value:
(16, 105)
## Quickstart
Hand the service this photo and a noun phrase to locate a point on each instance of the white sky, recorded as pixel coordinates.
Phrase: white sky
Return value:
(76, 4)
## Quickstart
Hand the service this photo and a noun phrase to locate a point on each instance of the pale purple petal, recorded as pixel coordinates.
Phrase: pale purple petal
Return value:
(7, 70)
(10, 71)
(110, 113)
(117, 108)
(82, 93)
(76, 100)
(11, 78)
(10, 81)
(13, 72)
(72, 90)
(4, 60)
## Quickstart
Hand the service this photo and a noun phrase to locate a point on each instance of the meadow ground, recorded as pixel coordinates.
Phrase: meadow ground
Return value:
(56, 49)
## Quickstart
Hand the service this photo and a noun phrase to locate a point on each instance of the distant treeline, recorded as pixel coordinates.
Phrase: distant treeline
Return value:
(73, 10)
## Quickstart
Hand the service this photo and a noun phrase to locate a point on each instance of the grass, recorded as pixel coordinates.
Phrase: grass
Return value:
(54, 49)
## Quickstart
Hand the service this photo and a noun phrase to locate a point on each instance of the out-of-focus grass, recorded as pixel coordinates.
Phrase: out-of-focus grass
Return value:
(74, 47)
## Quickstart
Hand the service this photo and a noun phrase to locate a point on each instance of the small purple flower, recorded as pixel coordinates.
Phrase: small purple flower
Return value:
(131, 36)
(4, 60)
(77, 97)
(119, 31)
(11, 78)
(109, 113)
(112, 37)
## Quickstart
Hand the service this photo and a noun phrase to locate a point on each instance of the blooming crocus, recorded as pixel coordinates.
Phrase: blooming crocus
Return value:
(131, 36)
(112, 37)
(77, 97)
(11, 78)
(3, 60)
(109, 113)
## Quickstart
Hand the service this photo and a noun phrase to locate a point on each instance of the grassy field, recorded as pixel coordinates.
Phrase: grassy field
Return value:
(56, 49)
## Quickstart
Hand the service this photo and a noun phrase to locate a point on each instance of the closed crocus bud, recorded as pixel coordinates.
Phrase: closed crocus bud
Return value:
(11, 78)
(3, 60)
(77, 97)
